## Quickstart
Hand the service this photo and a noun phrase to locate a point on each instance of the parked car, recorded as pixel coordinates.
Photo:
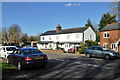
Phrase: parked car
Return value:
(71, 50)
(6, 50)
(27, 57)
(98, 51)
(31, 46)
(18, 46)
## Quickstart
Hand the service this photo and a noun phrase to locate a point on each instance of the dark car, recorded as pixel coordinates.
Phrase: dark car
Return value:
(27, 57)
(31, 46)
(98, 51)
(71, 50)
(18, 46)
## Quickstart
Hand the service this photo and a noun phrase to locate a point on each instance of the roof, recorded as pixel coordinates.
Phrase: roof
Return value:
(65, 31)
(113, 26)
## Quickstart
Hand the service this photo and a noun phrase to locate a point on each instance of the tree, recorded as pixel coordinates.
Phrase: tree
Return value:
(14, 34)
(107, 19)
(5, 36)
(33, 38)
(24, 38)
(89, 24)
(115, 9)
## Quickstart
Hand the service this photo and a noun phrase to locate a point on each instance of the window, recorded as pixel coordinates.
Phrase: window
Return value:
(105, 45)
(43, 38)
(113, 46)
(90, 37)
(57, 37)
(68, 36)
(98, 48)
(106, 35)
(49, 38)
(77, 36)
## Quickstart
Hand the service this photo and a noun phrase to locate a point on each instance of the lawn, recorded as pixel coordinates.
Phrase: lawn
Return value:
(4, 65)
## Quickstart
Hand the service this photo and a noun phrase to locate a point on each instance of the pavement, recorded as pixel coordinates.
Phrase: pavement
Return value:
(66, 66)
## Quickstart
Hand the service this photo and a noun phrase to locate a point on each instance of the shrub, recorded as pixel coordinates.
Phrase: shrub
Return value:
(82, 50)
(90, 43)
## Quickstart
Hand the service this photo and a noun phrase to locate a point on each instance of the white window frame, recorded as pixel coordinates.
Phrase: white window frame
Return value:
(106, 34)
(113, 46)
(49, 38)
(43, 38)
(90, 37)
(57, 37)
(68, 36)
(104, 45)
(77, 36)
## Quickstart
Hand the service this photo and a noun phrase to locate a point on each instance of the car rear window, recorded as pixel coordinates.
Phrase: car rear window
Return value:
(31, 51)
(10, 48)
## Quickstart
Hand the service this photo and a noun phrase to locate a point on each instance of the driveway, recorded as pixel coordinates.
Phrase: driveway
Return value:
(65, 65)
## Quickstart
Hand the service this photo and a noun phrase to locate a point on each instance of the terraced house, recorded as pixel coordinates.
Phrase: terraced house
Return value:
(110, 36)
(67, 38)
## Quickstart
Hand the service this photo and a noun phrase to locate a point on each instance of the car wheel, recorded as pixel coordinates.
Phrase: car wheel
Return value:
(107, 57)
(88, 55)
(19, 66)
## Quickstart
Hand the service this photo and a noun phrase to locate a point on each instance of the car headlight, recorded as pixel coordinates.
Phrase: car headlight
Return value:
(112, 54)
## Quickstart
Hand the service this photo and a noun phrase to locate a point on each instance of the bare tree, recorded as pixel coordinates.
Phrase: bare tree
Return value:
(115, 9)
(14, 34)
(5, 35)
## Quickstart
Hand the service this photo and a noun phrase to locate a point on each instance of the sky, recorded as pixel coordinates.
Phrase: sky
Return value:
(37, 17)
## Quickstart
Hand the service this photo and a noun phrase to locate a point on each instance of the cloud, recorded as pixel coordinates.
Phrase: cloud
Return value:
(72, 4)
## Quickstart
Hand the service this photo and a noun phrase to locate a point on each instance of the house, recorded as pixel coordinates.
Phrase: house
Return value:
(110, 36)
(67, 38)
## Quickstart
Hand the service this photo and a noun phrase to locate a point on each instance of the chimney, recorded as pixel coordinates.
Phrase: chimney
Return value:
(58, 28)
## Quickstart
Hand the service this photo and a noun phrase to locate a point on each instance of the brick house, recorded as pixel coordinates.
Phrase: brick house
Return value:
(110, 36)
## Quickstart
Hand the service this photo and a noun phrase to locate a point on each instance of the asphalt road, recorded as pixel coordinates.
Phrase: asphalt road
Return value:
(64, 65)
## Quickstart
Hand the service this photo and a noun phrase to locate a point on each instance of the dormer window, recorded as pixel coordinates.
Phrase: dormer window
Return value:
(106, 35)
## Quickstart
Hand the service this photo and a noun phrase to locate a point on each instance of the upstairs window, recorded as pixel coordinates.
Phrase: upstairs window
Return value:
(106, 35)
(57, 37)
(49, 38)
(77, 36)
(90, 37)
(43, 38)
(68, 36)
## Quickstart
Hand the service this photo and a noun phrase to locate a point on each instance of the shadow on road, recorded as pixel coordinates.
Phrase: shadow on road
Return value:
(67, 69)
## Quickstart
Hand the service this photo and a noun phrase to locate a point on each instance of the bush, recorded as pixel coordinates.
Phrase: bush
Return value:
(91, 43)
(82, 50)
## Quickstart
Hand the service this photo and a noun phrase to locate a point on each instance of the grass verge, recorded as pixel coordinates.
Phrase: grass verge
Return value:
(6, 66)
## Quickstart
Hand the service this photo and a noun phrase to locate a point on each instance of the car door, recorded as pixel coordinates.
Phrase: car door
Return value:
(98, 51)
(16, 56)
(3, 52)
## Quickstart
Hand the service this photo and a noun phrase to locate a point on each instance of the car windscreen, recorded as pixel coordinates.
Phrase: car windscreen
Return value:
(10, 48)
(31, 51)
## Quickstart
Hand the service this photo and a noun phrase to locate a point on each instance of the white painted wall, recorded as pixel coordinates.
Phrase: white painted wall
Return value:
(63, 37)
(73, 37)
(87, 34)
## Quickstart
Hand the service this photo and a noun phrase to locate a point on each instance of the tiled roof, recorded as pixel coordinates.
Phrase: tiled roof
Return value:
(65, 31)
(113, 26)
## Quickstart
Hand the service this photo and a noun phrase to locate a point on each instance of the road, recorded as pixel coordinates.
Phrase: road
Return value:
(64, 65)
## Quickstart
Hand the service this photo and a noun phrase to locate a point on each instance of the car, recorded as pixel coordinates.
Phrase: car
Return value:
(31, 46)
(71, 50)
(6, 50)
(98, 51)
(18, 46)
(27, 57)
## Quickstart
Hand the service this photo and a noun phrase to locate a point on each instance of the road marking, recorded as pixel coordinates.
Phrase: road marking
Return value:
(24, 74)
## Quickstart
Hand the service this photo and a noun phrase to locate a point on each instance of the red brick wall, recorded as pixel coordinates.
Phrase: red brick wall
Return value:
(114, 36)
